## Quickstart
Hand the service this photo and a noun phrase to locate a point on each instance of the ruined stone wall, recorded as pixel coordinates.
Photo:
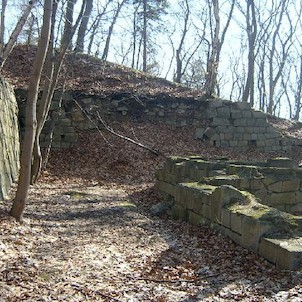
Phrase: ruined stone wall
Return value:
(258, 206)
(221, 123)
(9, 138)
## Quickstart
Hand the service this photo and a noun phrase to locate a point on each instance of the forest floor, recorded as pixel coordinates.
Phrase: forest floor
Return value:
(88, 233)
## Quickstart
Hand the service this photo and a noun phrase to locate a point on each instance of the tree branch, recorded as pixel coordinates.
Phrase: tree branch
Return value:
(109, 129)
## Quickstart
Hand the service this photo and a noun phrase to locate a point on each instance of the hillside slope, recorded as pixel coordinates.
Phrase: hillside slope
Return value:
(116, 160)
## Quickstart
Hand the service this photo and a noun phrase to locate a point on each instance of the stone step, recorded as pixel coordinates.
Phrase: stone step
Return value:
(283, 251)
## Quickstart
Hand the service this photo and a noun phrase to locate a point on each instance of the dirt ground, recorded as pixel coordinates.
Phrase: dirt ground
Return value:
(99, 243)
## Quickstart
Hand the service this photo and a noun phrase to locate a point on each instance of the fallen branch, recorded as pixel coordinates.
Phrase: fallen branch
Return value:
(92, 122)
(109, 129)
(85, 290)
(176, 280)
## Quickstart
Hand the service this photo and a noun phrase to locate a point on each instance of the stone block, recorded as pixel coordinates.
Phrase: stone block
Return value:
(225, 144)
(295, 209)
(268, 250)
(215, 104)
(232, 235)
(228, 136)
(242, 143)
(219, 121)
(259, 114)
(223, 112)
(285, 253)
(209, 132)
(225, 218)
(256, 184)
(236, 222)
(241, 106)
(233, 143)
(249, 130)
(206, 211)
(199, 133)
(179, 212)
(247, 114)
(264, 196)
(252, 230)
(283, 198)
(235, 114)
(166, 187)
(247, 136)
(211, 113)
(195, 219)
(240, 122)
(70, 138)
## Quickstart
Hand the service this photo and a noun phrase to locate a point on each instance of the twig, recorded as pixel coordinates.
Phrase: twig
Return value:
(90, 119)
(176, 280)
(84, 289)
(153, 151)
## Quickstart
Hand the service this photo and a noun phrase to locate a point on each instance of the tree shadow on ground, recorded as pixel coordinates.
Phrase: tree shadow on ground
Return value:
(214, 265)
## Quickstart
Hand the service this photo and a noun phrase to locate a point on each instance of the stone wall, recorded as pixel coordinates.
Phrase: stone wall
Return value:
(238, 126)
(257, 205)
(9, 138)
(221, 123)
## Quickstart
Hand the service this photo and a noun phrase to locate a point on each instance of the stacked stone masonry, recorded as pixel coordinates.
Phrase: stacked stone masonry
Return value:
(221, 123)
(258, 205)
(9, 139)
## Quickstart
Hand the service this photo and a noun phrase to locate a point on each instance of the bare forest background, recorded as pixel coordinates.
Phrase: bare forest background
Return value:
(242, 50)
(249, 51)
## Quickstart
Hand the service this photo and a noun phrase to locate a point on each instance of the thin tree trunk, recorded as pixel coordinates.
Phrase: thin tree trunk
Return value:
(31, 121)
(134, 37)
(251, 28)
(110, 30)
(68, 20)
(13, 38)
(298, 94)
(48, 91)
(179, 59)
(145, 36)
(212, 65)
(83, 27)
(2, 26)
(43, 106)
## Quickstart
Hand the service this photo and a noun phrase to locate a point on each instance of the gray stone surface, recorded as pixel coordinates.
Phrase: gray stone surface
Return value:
(9, 138)
(245, 202)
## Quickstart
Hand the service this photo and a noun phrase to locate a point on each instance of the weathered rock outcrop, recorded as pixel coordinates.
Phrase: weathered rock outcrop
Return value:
(258, 205)
(9, 138)
(221, 123)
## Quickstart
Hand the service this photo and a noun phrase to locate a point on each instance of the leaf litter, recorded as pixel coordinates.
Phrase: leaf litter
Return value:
(90, 236)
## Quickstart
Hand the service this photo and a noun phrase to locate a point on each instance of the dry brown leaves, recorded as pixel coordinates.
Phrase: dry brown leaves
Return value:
(98, 243)
(89, 75)
(89, 236)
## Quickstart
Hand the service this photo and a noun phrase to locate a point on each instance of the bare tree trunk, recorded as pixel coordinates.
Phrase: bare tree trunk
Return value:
(251, 29)
(145, 36)
(31, 121)
(94, 27)
(83, 27)
(298, 93)
(110, 30)
(13, 38)
(53, 71)
(212, 64)
(273, 79)
(30, 31)
(68, 20)
(179, 59)
(134, 35)
(2, 26)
